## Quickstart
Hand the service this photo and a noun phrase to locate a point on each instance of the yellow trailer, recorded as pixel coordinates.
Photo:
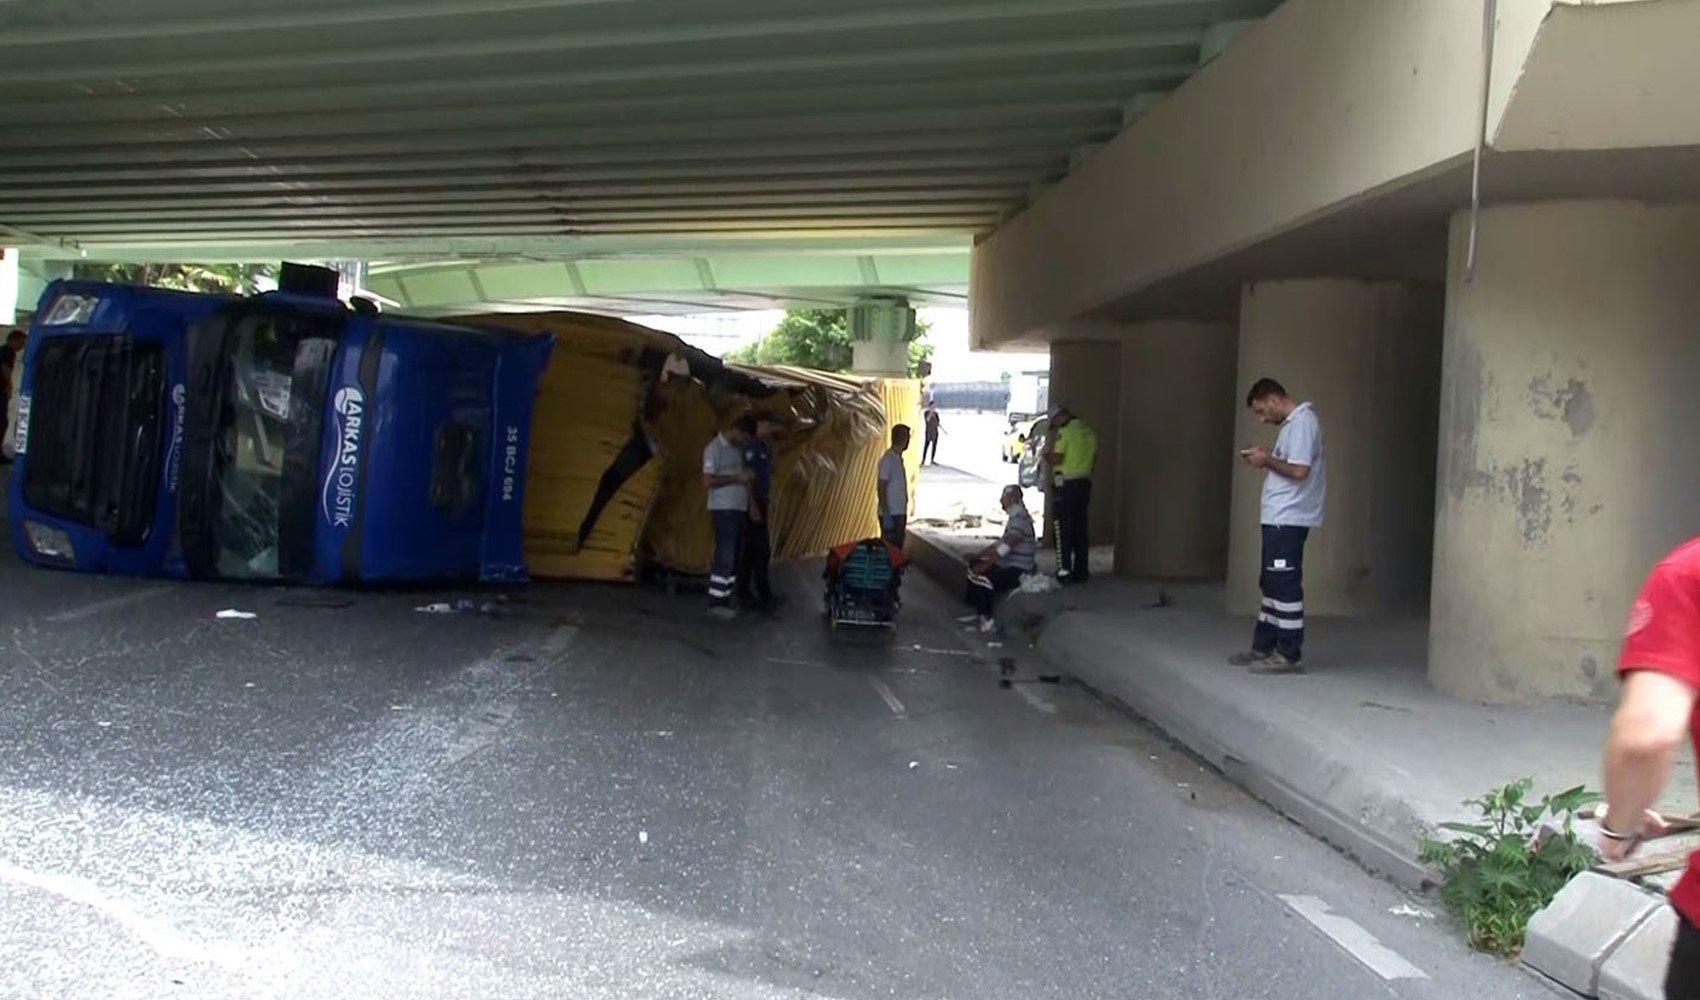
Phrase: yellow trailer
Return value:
(622, 416)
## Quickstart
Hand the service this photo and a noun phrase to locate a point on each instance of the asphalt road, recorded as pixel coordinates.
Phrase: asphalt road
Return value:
(602, 793)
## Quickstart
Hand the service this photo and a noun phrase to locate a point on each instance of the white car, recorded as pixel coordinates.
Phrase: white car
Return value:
(1015, 442)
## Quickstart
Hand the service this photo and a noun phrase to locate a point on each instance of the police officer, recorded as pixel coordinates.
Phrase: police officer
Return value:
(1071, 454)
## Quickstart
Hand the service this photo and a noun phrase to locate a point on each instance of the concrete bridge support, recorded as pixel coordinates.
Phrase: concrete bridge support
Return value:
(1367, 354)
(1568, 415)
(1176, 439)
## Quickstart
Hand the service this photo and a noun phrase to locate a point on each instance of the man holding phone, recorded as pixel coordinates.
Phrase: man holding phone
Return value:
(1294, 486)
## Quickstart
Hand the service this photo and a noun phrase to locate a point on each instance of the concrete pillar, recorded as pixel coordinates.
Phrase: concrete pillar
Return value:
(1086, 377)
(1177, 433)
(1568, 414)
(1367, 354)
(880, 332)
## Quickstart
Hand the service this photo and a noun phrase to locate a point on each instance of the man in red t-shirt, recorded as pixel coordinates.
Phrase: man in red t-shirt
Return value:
(1660, 668)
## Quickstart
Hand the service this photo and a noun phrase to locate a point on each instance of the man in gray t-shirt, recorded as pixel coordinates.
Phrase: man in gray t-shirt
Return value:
(1294, 486)
(728, 486)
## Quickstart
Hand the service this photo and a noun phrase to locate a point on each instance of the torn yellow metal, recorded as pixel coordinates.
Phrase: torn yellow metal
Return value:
(623, 414)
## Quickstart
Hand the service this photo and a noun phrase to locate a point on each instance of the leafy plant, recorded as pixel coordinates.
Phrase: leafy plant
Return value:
(1501, 870)
(819, 339)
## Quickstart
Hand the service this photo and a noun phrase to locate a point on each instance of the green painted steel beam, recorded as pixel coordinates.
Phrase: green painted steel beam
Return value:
(460, 171)
(588, 208)
(472, 219)
(405, 251)
(768, 137)
(41, 124)
(914, 187)
(836, 277)
(935, 62)
(249, 18)
(33, 66)
(543, 119)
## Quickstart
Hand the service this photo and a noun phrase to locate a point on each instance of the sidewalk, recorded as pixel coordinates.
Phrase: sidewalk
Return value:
(1359, 750)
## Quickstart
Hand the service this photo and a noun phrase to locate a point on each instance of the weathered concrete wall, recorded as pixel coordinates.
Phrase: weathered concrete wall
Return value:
(1177, 433)
(1086, 377)
(1367, 354)
(1613, 75)
(1371, 96)
(1568, 405)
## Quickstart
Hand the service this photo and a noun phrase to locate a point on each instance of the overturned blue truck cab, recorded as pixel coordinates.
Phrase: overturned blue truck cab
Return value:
(282, 437)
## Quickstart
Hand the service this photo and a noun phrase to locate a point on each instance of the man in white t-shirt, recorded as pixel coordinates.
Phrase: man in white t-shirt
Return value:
(1294, 486)
(727, 484)
(894, 488)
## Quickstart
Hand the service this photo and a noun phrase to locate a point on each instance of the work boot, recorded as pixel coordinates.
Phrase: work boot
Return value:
(1278, 664)
(1247, 658)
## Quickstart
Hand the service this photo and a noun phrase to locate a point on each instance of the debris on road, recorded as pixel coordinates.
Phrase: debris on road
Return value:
(1039, 583)
(914, 764)
(1407, 910)
(313, 599)
(643, 836)
(232, 613)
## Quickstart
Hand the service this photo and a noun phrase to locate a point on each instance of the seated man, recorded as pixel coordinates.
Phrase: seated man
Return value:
(999, 568)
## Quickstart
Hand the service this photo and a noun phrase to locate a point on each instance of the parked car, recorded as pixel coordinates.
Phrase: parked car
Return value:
(1028, 470)
(1015, 441)
(282, 437)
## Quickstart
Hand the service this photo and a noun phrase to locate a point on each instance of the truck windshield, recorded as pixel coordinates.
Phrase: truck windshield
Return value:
(266, 442)
(94, 443)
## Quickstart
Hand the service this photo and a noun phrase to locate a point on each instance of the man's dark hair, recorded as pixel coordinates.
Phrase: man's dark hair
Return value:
(747, 424)
(1263, 388)
(901, 432)
(17, 335)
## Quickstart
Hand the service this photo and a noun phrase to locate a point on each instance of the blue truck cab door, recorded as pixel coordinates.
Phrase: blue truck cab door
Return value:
(425, 464)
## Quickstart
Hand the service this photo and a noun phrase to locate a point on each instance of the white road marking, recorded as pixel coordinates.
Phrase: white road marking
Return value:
(795, 663)
(890, 698)
(1359, 943)
(109, 604)
(1035, 699)
(160, 936)
(940, 652)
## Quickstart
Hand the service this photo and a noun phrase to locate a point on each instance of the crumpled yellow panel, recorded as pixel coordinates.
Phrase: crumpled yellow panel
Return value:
(609, 379)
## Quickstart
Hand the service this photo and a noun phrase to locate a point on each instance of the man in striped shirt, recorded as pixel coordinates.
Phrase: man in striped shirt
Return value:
(998, 569)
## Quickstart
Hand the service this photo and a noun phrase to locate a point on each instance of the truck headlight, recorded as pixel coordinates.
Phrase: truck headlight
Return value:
(50, 543)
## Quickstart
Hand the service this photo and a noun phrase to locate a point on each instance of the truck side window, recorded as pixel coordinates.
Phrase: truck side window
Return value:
(454, 463)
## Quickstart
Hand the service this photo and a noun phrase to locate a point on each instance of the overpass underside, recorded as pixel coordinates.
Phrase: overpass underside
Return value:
(1502, 360)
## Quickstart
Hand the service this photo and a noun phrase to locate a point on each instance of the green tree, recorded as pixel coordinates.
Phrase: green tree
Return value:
(222, 278)
(819, 339)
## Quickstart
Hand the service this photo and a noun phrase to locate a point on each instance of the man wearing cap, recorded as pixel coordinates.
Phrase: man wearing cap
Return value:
(1072, 452)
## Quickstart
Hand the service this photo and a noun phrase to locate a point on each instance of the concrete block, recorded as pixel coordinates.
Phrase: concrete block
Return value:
(1636, 970)
(1572, 938)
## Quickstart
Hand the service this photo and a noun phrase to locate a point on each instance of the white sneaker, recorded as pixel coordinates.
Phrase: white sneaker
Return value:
(988, 626)
(967, 619)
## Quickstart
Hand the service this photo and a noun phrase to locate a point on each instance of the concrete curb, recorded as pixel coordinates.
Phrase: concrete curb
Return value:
(1599, 937)
(1320, 791)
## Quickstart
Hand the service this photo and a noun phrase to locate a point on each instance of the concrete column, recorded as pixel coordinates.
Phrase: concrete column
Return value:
(1568, 415)
(1367, 354)
(1177, 433)
(880, 332)
(1086, 377)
